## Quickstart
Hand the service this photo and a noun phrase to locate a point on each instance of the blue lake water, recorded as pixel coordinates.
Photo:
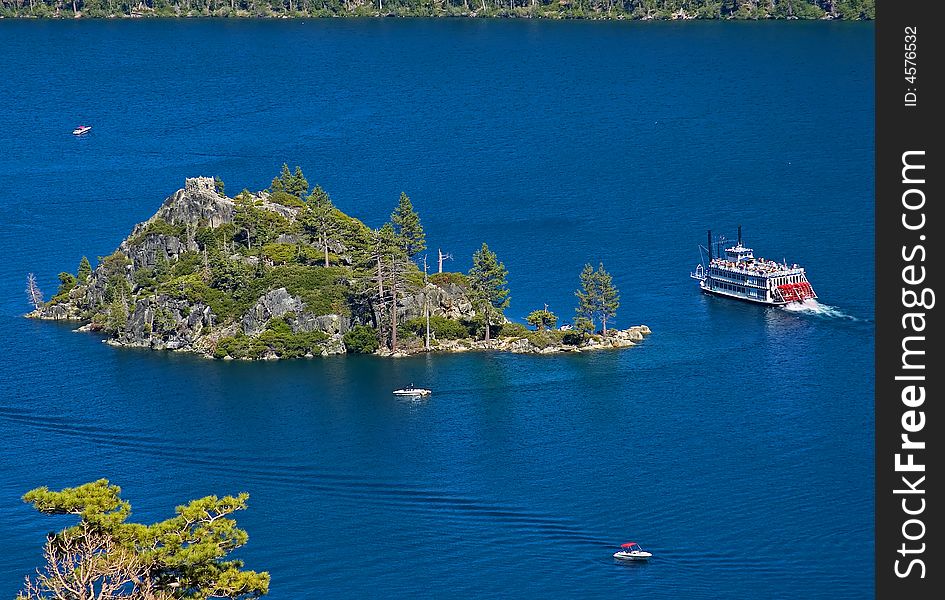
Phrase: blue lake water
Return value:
(736, 443)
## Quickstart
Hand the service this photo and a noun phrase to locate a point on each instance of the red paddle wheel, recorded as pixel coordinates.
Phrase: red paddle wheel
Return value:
(796, 292)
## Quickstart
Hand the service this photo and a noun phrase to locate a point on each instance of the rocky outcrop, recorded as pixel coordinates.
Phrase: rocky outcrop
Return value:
(618, 338)
(330, 324)
(273, 304)
(198, 202)
(447, 300)
(162, 322)
(280, 303)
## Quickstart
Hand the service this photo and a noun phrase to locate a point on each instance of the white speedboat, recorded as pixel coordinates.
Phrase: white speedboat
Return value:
(82, 130)
(413, 392)
(632, 551)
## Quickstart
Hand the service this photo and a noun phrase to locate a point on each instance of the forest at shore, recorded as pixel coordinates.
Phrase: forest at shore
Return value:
(545, 9)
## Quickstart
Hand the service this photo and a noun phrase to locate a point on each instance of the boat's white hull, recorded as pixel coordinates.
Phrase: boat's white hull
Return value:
(632, 555)
(725, 294)
(412, 393)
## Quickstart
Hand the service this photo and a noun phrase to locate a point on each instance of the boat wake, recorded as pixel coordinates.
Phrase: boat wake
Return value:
(812, 307)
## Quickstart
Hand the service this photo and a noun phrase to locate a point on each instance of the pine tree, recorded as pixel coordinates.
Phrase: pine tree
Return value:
(542, 318)
(294, 184)
(588, 295)
(85, 270)
(278, 183)
(298, 185)
(488, 280)
(407, 225)
(609, 296)
(598, 298)
(318, 219)
(384, 247)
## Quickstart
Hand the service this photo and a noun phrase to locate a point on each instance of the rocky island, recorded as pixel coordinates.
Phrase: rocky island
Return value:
(283, 273)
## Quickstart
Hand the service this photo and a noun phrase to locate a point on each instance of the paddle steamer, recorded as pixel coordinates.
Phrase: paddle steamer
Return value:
(738, 274)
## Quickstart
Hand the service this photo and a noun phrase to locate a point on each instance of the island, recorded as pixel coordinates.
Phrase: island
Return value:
(282, 273)
(538, 9)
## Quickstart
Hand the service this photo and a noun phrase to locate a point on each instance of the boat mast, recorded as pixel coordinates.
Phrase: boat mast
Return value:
(739, 235)
(709, 246)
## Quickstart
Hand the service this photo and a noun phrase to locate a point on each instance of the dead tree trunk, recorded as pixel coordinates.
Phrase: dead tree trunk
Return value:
(380, 292)
(393, 305)
(33, 291)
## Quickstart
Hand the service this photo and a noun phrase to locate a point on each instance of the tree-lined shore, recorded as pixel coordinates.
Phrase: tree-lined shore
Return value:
(545, 9)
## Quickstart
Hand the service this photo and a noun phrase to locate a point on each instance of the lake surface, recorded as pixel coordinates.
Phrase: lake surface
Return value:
(736, 443)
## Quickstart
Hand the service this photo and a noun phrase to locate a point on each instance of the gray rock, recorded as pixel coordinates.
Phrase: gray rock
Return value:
(162, 322)
(197, 202)
(330, 324)
(275, 303)
(334, 345)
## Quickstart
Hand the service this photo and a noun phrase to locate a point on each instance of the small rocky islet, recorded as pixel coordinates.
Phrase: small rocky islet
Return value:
(281, 274)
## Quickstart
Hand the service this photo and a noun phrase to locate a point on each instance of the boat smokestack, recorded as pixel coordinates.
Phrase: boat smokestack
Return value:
(710, 244)
(739, 235)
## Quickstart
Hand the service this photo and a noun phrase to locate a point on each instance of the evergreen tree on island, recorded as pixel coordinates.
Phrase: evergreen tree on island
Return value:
(294, 184)
(598, 298)
(488, 281)
(542, 319)
(407, 225)
(85, 270)
(318, 219)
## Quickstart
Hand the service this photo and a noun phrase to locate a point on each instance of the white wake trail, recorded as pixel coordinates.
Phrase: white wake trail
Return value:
(813, 307)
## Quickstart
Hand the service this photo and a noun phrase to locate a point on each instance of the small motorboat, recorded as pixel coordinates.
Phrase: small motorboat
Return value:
(413, 392)
(82, 130)
(632, 551)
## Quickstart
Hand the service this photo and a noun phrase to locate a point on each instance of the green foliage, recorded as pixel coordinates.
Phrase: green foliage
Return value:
(584, 326)
(545, 338)
(158, 227)
(219, 186)
(361, 339)
(407, 226)
(278, 339)
(442, 279)
(598, 298)
(67, 283)
(542, 319)
(573, 338)
(281, 254)
(321, 221)
(488, 283)
(286, 199)
(85, 270)
(117, 315)
(324, 290)
(294, 184)
(187, 263)
(441, 328)
(186, 556)
(256, 226)
(513, 330)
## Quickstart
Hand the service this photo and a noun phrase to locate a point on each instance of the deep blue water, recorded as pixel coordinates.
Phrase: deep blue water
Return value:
(736, 443)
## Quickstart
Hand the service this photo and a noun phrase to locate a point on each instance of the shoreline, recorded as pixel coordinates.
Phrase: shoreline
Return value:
(812, 12)
(615, 339)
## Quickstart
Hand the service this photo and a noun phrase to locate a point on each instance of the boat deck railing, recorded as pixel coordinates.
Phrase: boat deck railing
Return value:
(757, 267)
